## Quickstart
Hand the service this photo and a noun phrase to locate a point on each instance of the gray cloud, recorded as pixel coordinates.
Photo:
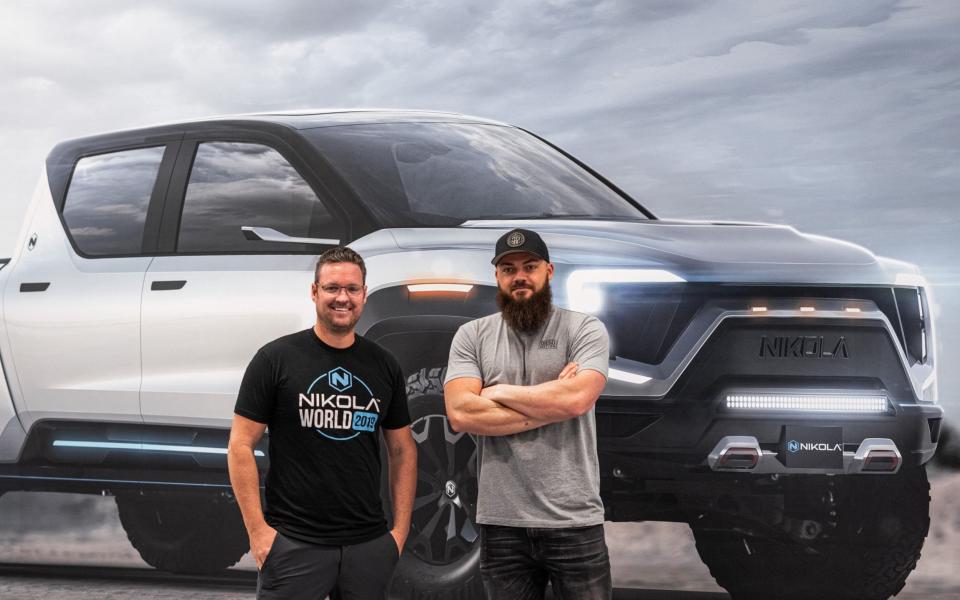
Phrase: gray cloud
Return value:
(702, 107)
(837, 117)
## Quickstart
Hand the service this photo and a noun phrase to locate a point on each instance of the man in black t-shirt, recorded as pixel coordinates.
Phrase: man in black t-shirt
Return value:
(325, 393)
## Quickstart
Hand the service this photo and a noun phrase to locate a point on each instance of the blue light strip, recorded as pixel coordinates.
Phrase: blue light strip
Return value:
(143, 447)
(96, 480)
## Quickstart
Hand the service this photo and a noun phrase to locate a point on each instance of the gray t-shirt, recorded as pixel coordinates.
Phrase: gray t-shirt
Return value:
(545, 477)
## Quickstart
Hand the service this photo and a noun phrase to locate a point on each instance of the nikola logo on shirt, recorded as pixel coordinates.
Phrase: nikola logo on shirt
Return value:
(339, 406)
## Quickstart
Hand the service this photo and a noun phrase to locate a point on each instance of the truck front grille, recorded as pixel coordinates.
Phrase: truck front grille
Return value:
(645, 320)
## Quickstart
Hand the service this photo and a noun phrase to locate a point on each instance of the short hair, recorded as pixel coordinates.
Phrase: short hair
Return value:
(340, 254)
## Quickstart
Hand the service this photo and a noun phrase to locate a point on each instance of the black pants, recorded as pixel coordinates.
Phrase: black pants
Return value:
(516, 563)
(296, 570)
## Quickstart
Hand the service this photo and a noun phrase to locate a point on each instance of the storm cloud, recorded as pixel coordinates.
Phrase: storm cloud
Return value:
(840, 118)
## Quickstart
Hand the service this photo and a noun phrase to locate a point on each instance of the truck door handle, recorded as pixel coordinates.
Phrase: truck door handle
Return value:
(168, 285)
(34, 287)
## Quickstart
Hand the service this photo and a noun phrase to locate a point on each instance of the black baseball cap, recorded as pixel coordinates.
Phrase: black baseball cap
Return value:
(520, 240)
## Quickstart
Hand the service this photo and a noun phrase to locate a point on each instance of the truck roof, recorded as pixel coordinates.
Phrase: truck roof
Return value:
(292, 119)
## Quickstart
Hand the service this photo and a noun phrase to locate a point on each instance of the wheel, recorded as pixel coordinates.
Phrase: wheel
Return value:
(442, 555)
(184, 532)
(881, 524)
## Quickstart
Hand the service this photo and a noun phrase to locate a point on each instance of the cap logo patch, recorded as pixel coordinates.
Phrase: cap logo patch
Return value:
(516, 239)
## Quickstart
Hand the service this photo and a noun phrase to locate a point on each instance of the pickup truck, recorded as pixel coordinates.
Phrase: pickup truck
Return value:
(773, 389)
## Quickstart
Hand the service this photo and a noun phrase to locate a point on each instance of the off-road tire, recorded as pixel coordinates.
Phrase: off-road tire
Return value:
(184, 532)
(883, 523)
(459, 577)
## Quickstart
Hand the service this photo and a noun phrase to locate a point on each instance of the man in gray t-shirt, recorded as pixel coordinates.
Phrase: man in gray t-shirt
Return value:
(525, 381)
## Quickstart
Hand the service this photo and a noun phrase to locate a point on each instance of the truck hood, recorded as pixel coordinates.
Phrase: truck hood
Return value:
(693, 241)
(694, 250)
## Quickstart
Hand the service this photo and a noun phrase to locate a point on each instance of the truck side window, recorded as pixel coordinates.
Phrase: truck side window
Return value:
(106, 204)
(241, 184)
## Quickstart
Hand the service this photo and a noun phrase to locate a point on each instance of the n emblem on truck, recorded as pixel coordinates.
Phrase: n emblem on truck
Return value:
(802, 346)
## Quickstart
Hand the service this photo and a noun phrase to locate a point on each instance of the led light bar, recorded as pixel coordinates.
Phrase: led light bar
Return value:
(143, 447)
(459, 288)
(808, 402)
(627, 376)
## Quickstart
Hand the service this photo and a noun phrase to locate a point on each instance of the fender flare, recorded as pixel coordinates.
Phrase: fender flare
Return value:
(418, 329)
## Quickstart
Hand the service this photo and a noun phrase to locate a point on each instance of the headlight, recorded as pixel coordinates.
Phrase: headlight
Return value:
(584, 293)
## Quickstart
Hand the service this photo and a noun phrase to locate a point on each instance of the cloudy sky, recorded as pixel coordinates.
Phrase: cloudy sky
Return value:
(840, 118)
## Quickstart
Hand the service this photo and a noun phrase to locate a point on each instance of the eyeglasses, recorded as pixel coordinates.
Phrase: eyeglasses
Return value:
(334, 290)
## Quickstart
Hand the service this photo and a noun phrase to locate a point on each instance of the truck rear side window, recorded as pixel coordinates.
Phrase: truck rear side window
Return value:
(235, 184)
(106, 205)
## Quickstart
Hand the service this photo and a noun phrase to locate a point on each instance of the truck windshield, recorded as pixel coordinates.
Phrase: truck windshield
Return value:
(442, 174)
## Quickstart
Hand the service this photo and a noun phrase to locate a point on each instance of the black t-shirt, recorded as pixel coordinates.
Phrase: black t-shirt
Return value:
(323, 407)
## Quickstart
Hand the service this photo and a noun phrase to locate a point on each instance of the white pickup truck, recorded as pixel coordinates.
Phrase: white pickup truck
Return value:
(775, 390)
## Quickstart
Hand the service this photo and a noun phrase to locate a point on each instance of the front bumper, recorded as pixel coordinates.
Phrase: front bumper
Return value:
(680, 440)
(744, 454)
(672, 436)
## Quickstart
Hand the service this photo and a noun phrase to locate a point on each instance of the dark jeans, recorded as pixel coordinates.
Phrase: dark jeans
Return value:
(516, 563)
(295, 570)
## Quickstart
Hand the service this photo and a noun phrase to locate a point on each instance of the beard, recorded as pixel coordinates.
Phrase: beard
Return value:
(526, 316)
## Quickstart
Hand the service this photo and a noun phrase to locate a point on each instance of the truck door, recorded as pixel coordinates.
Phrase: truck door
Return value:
(222, 293)
(72, 305)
